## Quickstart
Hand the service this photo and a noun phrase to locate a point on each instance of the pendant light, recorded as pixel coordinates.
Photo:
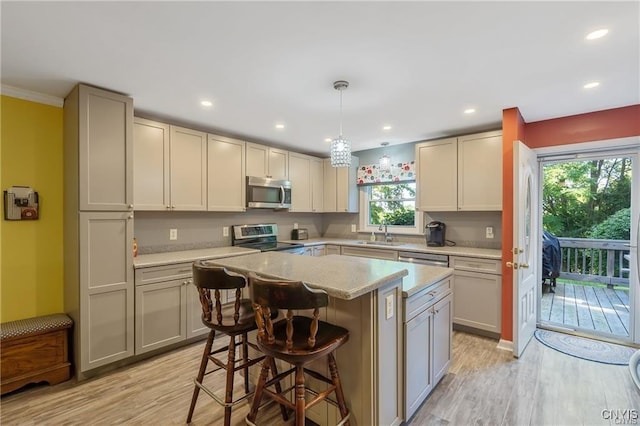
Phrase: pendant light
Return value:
(340, 147)
(385, 161)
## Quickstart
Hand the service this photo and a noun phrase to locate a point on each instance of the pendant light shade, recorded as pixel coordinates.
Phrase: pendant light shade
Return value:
(340, 147)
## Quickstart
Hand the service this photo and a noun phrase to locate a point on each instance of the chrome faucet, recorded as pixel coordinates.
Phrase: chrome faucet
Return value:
(387, 238)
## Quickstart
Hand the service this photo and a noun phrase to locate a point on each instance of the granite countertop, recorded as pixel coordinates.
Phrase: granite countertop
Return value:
(399, 246)
(418, 276)
(173, 257)
(339, 276)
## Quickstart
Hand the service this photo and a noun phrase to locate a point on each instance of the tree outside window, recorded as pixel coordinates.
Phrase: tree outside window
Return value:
(392, 204)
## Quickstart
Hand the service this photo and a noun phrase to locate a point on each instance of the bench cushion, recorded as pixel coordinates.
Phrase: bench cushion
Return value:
(32, 326)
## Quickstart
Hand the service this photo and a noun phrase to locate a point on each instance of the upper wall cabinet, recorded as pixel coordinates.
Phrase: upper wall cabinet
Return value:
(463, 173)
(340, 187)
(226, 174)
(264, 161)
(100, 125)
(307, 183)
(170, 167)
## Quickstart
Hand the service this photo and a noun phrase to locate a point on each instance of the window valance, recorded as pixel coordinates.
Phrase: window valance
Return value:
(397, 172)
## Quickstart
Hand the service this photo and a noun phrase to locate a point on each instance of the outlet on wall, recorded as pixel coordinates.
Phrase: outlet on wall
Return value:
(353, 228)
(489, 232)
(173, 234)
(295, 225)
(225, 231)
(389, 306)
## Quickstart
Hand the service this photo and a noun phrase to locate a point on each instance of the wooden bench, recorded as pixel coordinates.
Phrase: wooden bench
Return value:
(35, 350)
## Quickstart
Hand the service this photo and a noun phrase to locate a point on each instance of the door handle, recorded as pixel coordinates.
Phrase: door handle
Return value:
(513, 265)
(281, 194)
(524, 265)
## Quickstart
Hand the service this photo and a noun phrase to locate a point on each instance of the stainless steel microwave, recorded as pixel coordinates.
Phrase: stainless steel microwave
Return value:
(265, 193)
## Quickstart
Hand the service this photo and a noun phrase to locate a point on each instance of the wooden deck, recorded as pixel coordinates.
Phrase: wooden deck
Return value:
(601, 309)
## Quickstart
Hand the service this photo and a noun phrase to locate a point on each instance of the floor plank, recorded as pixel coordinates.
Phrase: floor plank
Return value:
(584, 315)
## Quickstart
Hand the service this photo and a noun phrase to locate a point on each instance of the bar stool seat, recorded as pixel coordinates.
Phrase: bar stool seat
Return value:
(298, 340)
(235, 319)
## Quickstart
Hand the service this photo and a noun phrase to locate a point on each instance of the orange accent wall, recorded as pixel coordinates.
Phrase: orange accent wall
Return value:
(594, 126)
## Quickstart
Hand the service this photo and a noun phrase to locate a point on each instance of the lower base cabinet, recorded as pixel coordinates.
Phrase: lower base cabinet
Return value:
(167, 307)
(427, 343)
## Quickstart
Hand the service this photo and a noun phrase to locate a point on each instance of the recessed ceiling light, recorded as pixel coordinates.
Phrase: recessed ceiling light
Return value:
(591, 85)
(328, 139)
(279, 126)
(386, 128)
(597, 34)
(206, 103)
(469, 110)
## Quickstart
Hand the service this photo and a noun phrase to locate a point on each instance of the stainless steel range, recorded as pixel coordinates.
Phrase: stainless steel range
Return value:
(263, 237)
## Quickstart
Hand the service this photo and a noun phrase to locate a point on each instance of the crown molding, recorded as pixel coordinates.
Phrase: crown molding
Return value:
(28, 95)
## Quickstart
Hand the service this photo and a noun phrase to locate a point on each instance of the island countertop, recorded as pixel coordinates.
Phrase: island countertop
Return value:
(339, 276)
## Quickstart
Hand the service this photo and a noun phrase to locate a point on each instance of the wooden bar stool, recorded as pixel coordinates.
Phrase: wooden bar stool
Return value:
(297, 340)
(234, 320)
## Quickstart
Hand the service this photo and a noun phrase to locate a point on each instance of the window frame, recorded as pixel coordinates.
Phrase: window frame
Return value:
(364, 195)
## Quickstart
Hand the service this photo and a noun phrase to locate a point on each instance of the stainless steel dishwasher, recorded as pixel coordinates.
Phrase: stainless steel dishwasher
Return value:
(430, 259)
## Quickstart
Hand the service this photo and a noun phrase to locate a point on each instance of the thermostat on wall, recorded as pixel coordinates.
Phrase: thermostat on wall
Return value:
(20, 203)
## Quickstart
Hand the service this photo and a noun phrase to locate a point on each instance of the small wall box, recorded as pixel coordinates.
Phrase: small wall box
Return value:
(20, 203)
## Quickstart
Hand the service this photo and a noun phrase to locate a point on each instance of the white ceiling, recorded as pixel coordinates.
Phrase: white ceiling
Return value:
(415, 66)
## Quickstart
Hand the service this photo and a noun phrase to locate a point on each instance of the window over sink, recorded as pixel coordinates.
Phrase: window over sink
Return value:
(393, 204)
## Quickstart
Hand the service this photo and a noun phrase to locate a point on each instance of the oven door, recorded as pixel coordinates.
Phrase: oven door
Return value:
(268, 193)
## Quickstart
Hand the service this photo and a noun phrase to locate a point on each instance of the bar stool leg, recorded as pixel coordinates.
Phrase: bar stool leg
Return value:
(274, 373)
(300, 399)
(228, 391)
(335, 378)
(257, 396)
(245, 359)
(200, 377)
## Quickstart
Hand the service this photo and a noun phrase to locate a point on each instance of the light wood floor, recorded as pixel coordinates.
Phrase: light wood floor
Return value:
(485, 386)
(593, 308)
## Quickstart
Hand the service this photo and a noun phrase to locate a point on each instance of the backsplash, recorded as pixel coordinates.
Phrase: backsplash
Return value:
(198, 230)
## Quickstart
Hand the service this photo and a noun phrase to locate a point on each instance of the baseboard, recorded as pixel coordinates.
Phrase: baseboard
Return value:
(505, 345)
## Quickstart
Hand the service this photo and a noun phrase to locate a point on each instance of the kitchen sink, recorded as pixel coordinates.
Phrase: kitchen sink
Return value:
(380, 243)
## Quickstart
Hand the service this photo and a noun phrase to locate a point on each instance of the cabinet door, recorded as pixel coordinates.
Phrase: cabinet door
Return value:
(195, 327)
(226, 183)
(331, 249)
(308, 251)
(477, 300)
(106, 288)
(418, 349)
(300, 177)
(442, 343)
(330, 195)
(105, 150)
(278, 164)
(480, 172)
(317, 185)
(150, 165)
(188, 165)
(436, 175)
(346, 188)
(319, 251)
(257, 160)
(161, 314)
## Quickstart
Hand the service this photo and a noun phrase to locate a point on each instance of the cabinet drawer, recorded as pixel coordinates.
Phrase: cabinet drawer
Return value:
(418, 302)
(163, 273)
(471, 264)
(370, 252)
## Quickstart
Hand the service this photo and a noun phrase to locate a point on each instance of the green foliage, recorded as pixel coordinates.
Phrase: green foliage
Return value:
(615, 227)
(577, 195)
(392, 204)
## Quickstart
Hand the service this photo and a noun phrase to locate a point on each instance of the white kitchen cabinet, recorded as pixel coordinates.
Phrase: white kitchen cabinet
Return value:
(170, 167)
(460, 174)
(308, 251)
(168, 308)
(332, 249)
(99, 125)
(106, 294)
(480, 172)
(265, 161)
(319, 251)
(188, 165)
(373, 253)
(307, 183)
(427, 342)
(477, 293)
(150, 165)
(340, 187)
(226, 185)
(98, 226)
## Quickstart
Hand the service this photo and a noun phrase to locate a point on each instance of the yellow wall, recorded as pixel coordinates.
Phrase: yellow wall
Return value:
(31, 253)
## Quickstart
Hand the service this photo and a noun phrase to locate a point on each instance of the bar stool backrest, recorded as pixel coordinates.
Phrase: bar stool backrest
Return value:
(207, 278)
(269, 295)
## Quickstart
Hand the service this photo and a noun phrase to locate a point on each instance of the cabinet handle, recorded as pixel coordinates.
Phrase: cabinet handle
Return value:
(173, 207)
(183, 271)
(168, 207)
(130, 206)
(130, 216)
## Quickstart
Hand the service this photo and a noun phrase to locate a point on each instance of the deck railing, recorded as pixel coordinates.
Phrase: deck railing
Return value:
(592, 260)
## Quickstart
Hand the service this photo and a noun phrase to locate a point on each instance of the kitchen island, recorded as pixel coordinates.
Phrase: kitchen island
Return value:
(366, 297)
